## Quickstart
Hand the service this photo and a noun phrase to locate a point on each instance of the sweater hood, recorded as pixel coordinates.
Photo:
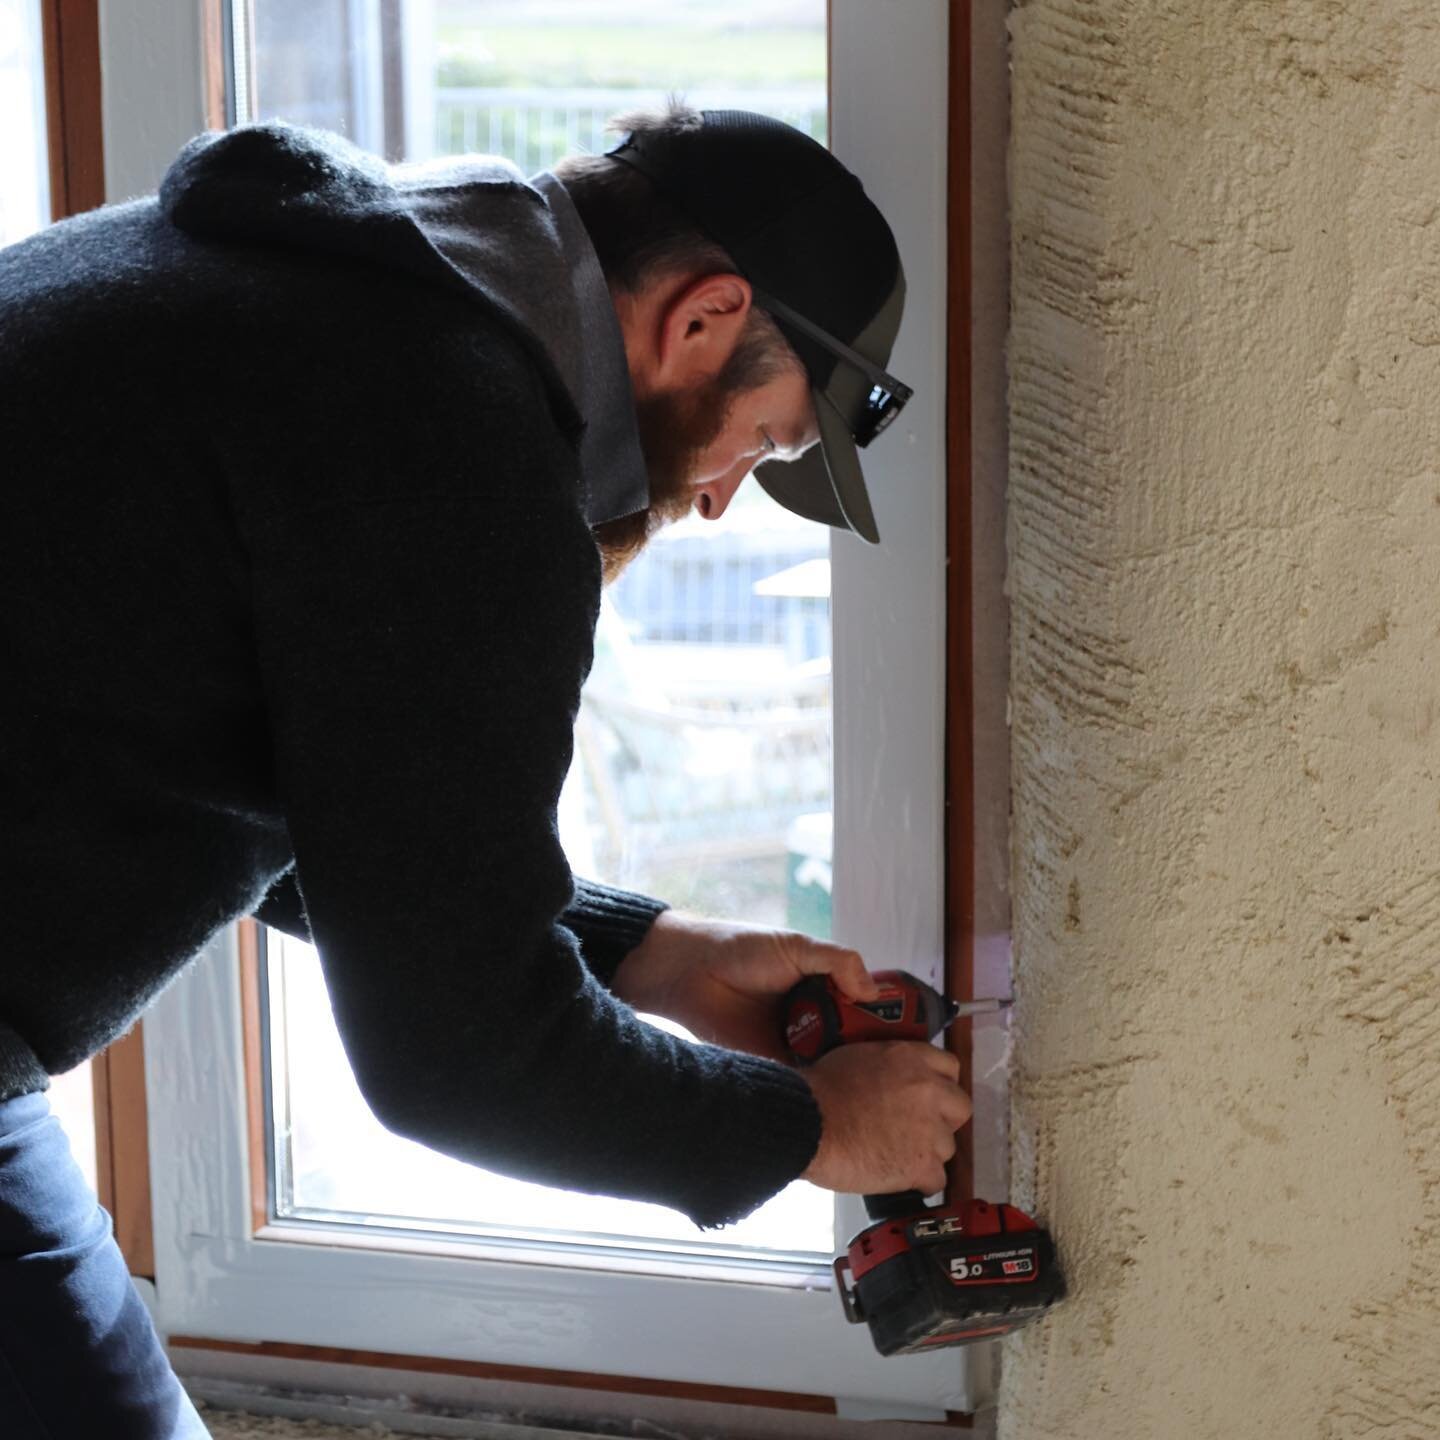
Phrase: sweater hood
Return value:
(470, 224)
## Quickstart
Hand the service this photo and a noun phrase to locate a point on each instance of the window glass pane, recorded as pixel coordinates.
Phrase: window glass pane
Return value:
(24, 164)
(702, 768)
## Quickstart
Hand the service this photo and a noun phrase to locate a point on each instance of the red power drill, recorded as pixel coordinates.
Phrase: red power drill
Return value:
(925, 1276)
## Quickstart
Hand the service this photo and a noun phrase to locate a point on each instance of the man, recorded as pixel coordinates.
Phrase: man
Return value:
(312, 469)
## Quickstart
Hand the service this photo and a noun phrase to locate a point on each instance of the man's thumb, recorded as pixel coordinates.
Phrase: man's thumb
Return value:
(853, 978)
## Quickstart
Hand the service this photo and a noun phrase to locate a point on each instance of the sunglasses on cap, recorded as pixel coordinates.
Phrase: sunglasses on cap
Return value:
(878, 406)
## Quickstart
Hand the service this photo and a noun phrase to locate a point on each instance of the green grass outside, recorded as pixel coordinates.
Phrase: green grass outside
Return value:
(623, 57)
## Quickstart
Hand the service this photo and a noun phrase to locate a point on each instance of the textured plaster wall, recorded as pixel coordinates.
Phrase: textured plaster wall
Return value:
(1224, 555)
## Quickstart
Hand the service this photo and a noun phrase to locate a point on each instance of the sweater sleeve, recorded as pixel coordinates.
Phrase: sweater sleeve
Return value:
(608, 922)
(422, 659)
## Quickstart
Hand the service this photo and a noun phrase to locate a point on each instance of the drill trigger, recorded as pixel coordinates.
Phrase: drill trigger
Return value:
(849, 1299)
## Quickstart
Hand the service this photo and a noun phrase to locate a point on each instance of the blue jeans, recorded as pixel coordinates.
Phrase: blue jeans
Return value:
(79, 1356)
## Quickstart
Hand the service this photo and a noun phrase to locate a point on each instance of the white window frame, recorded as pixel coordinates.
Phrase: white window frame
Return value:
(888, 81)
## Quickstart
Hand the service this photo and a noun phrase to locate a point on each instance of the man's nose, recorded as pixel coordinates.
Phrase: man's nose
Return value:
(713, 498)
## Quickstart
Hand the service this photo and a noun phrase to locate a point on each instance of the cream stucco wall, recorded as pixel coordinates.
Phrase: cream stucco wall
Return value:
(1225, 579)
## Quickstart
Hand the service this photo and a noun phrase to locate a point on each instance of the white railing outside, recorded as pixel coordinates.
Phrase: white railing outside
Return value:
(536, 127)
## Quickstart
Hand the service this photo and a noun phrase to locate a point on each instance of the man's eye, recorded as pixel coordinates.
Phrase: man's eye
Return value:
(770, 444)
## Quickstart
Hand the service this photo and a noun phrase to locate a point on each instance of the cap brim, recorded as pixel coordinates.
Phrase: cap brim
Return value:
(825, 483)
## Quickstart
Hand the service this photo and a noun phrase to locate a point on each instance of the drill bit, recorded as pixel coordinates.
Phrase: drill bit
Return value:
(978, 1007)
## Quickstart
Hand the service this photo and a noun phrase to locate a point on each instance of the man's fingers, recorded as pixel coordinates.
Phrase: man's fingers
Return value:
(959, 1111)
(846, 967)
(943, 1061)
(851, 975)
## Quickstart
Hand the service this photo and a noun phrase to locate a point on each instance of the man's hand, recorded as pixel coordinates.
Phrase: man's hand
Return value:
(890, 1112)
(726, 983)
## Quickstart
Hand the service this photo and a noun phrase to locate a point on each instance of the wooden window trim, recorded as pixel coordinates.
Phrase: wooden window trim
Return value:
(213, 41)
(248, 941)
(122, 1148)
(959, 646)
(71, 36)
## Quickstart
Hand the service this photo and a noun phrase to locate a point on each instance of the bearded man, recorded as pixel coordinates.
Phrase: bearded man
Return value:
(313, 471)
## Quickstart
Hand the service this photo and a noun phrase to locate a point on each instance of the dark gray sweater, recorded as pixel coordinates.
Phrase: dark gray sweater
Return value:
(293, 572)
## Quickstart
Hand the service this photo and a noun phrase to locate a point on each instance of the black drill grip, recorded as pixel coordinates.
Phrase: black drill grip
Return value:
(893, 1207)
(815, 1012)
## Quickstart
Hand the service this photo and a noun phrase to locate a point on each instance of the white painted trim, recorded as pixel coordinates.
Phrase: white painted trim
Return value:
(889, 124)
(889, 121)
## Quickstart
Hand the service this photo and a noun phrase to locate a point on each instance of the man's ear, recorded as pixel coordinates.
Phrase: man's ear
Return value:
(699, 328)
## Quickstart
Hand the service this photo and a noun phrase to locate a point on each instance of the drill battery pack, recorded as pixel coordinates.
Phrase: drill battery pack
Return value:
(948, 1276)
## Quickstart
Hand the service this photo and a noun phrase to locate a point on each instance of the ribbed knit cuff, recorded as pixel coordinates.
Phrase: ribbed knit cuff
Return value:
(610, 923)
(20, 1071)
(758, 1144)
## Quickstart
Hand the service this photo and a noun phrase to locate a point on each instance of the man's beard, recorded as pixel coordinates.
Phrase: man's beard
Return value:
(674, 430)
